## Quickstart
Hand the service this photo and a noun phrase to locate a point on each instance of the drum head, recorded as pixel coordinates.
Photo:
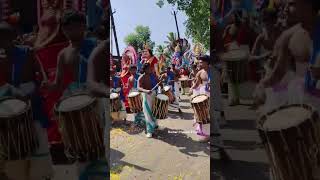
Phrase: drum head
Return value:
(199, 98)
(133, 94)
(75, 102)
(166, 88)
(235, 55)
(183, 79)
(12, 107)
(285, 118)
(163, 97)
(114, 95)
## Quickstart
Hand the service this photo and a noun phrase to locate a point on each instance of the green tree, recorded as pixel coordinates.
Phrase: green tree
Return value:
(160, 49)
(138, 38)
(171, 42)
(198, 22)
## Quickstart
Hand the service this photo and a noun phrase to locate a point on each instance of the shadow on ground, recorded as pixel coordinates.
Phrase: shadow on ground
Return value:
(239, 170)
(180, 116)
(185, 143)
(117, 164)
(128, 127)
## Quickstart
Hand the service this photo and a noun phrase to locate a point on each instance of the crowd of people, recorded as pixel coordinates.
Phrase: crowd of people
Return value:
(181, 74)
(64, 56)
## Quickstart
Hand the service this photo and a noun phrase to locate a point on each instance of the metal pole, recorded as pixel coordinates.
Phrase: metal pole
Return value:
(114, 31)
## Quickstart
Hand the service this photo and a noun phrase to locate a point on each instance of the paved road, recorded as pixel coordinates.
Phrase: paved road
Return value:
(167, 156)
(248, 158)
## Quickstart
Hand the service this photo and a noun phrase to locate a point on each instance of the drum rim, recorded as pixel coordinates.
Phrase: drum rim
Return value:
(263, 117)
(163, 95)
(167, 89)
(114, 93)
(27, 107)
(138, 93)
(199, 95)
(56, 109)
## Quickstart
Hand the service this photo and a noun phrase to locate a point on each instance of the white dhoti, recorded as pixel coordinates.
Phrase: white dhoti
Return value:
(147, 102)
(177, 86)
(277, 95)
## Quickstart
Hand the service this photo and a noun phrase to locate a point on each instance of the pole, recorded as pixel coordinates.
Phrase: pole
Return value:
(114, 31)
(175, 18)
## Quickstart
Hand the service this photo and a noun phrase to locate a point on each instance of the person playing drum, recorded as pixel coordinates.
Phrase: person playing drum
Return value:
(170, 81)
(72, 61)
(147, 84)
(18, 68)
(201, 86)
(133, 85)
(177, 83)
(97, 84)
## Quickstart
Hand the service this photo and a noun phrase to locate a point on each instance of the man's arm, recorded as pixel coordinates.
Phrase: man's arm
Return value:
(281, 52)
(197, 81)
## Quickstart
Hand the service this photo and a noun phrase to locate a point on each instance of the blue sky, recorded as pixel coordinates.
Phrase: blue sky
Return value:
(130, 13)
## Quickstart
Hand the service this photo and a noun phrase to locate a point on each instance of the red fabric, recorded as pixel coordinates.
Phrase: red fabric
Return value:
(48, 58)
(153, 62)
(125, 88)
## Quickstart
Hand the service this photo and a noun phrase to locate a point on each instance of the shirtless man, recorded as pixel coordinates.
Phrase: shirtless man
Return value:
(293, 47)
(72, 61)
(97, 84)
(133, 86)
(147, 85)
(18, 74)
(201, 86)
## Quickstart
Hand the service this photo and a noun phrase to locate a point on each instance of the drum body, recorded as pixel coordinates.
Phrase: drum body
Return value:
(160, 106)
(115, 102)
(237, 65)
(168, 92)
(17, 132)
(200, 105)
(291, 137)
(81, 127)
(135, 102)
(185, 84)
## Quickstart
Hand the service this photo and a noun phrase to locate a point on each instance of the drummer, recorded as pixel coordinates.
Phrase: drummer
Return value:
(97, 84)
(72, 61)
(18, 68)
(147, 84)
(233, 88)
(170, 81)
(139, 118)
(201, 86)
(177, 84)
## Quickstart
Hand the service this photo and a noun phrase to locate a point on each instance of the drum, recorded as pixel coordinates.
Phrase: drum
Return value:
(200, 106)
(160, 106)
(237, 63)
(135, 102)
(81, 127)
(290, 135)
(168, 92)
(115, 102)
(184, 82)
(18, 139)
